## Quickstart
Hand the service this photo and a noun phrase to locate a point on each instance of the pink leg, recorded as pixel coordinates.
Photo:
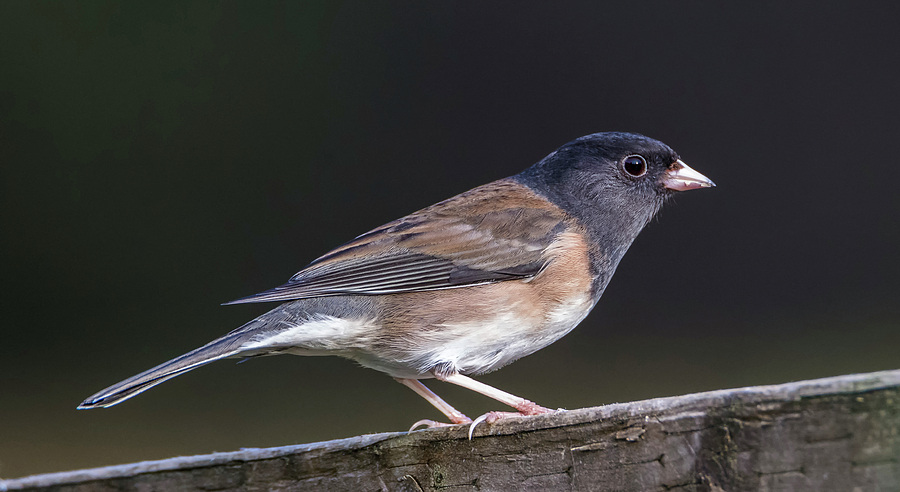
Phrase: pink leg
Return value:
(525, 407)
(453, 414)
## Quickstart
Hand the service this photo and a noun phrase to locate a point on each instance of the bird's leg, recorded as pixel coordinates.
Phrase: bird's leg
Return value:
(524, 407)
(453, 414)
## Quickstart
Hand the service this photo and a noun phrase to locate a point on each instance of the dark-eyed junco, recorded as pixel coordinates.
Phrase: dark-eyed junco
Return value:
(467, 285)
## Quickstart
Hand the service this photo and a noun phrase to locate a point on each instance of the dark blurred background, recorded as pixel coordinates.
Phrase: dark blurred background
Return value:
(161, 158)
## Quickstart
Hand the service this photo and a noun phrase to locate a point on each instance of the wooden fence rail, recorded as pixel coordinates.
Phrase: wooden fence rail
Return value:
(840, 434)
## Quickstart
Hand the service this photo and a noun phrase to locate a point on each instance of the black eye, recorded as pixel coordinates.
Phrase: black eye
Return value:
(634, 165)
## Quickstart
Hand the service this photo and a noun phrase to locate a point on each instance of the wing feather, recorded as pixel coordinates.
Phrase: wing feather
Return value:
(492, 233)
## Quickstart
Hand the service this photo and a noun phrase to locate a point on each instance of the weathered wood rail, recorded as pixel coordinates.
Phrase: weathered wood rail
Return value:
(840, 434)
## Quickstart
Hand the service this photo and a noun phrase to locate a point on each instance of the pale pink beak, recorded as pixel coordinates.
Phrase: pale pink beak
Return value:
(682, 178)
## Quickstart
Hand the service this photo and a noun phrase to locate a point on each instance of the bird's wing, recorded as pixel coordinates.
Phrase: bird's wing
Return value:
(495, 232)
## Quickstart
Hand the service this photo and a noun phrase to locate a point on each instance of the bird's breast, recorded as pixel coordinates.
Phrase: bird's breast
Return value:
(482, 328)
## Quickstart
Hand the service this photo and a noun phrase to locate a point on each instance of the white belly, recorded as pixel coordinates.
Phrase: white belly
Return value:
(506, 340)
(477, 348)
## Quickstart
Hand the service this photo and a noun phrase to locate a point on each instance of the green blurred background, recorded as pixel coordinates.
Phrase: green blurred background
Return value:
(158, 159)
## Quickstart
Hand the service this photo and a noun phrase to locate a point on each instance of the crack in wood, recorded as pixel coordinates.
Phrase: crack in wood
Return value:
(658, 459)
(884, 461)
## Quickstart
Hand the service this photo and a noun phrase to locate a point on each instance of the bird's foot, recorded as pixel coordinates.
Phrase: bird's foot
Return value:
(525, 409)
(531, 408)
(431, 424)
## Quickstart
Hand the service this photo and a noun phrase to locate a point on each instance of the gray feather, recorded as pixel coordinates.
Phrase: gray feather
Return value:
(119, 392)
(231, 345)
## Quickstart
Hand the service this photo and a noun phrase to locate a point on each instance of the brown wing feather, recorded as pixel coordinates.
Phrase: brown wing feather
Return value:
(491, 233)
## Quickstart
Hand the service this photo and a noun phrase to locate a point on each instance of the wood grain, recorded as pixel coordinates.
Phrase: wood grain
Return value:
(840, 434)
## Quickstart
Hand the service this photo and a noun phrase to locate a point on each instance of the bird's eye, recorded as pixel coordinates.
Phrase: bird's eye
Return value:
(634, 165)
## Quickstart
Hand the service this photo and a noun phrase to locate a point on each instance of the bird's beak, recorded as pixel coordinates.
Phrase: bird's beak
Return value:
(680, 177)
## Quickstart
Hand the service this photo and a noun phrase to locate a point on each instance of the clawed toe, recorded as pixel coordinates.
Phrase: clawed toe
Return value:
(431, 424)
(524, 407)
(492, 417)
(474, 423)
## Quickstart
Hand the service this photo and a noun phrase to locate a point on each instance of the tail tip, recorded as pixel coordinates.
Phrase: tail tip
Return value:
(87, 405)
(97, 402)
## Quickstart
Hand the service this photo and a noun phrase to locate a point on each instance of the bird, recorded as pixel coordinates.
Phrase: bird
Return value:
(467, 285)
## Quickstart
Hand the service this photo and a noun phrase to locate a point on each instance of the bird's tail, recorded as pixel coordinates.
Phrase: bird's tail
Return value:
(227, 346)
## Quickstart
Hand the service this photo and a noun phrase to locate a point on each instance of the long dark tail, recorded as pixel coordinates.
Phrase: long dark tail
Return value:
(227, 346)
(289, 314)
